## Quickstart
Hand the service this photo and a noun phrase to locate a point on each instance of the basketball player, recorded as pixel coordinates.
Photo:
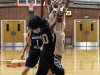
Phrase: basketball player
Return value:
(47, 57)
(34, 51)
(60, 25)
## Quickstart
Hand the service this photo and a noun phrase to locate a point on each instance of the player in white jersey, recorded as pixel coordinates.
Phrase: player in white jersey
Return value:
(60, 25)
(59, 28)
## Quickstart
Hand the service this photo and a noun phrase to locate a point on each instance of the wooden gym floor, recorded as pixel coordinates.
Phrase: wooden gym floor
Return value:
(76, 61)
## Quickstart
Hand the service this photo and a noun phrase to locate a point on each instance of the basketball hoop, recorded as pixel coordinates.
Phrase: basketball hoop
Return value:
(31, 5)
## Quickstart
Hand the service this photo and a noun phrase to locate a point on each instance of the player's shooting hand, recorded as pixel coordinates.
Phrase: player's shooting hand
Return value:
(61, 2)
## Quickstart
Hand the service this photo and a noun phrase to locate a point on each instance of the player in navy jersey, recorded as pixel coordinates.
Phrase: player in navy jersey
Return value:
(47, 57)
(35, 43)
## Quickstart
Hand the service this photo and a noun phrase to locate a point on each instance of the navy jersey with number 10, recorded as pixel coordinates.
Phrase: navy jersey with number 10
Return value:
(48, 39)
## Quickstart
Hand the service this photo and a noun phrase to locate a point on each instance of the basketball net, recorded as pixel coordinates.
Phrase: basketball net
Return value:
(31, 5)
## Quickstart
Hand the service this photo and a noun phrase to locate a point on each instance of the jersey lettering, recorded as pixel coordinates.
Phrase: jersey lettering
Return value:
(45, 38)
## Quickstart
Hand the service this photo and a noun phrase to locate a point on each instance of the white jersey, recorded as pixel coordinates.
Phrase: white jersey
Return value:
(61, 21)
(59, 30)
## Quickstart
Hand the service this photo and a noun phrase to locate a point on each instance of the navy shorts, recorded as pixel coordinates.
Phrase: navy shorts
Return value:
(33, 57)
(48, 60)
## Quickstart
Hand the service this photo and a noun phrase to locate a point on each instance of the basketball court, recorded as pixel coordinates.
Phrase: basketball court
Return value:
(76, 61)
(83, 59)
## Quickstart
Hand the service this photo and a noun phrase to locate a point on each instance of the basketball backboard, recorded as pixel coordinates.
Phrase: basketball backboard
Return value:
(27, 2)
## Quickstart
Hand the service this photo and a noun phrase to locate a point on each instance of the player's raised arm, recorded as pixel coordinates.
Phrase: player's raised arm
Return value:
(67, 3)
(55, 19)
(61, 1)
(48, 2)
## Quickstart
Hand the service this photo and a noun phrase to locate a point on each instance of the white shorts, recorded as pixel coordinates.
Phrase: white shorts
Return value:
(59, 43)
